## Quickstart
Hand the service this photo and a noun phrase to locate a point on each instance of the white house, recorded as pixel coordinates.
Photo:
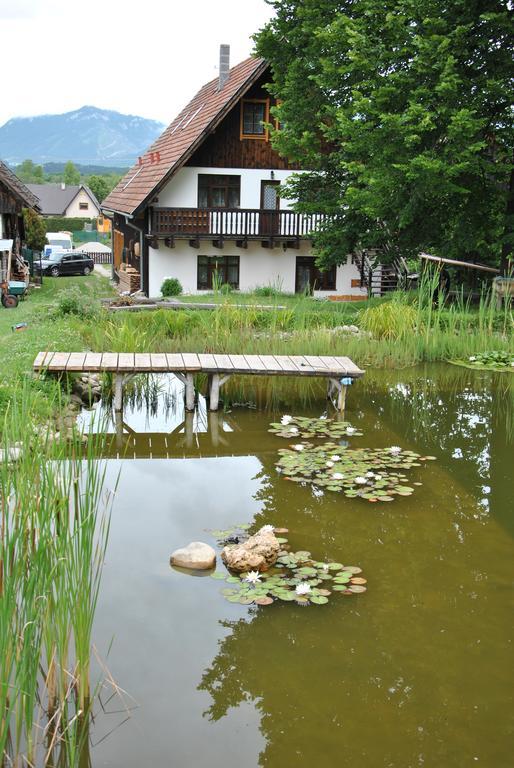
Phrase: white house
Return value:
(204, 202)
(67, 200)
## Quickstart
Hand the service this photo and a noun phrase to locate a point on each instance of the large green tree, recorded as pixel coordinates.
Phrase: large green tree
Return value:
(71, 174)
(402, 111)
(100, 186)
(30, 173)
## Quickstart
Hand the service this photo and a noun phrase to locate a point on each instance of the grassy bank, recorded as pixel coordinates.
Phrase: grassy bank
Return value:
(48, 326)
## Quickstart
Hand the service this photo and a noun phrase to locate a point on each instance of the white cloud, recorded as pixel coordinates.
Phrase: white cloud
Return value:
(145, 59)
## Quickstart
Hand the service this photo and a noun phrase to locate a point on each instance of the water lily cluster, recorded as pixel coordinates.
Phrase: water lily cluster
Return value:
(496, 361)
(373, 474)
(304, 427)
(296, 577)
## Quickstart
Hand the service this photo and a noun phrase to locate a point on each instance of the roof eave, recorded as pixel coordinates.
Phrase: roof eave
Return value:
(199, 141)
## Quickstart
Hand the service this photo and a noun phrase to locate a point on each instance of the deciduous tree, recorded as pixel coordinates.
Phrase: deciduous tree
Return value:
(402, 111)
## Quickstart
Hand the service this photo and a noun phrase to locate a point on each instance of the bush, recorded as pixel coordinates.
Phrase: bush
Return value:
(226, 288)
(171, 287)
(75, 301)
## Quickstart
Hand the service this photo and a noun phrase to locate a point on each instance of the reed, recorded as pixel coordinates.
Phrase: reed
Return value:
(54, 529)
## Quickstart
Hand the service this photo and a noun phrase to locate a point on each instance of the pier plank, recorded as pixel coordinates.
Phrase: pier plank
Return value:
(208, 362)
(223, 363)
(255, 363)
(58, 361)
(175, 362)
(191, 361)
(159, 362)
(126, 362)
(142, 362)
(109, 361)
(93, 361)
(239, 363)
(76, 361)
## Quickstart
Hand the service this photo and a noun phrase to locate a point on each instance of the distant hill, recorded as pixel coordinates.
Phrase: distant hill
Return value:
(86, 170)
(89, 136)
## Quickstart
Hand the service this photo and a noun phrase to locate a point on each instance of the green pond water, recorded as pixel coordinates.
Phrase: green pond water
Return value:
(418, 671)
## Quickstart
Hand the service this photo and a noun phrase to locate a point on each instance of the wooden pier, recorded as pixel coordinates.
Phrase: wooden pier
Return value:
(339, 371)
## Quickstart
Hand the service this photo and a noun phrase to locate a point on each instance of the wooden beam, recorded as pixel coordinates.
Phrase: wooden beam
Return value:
(220, 243)
(194, 243)
(169, 242)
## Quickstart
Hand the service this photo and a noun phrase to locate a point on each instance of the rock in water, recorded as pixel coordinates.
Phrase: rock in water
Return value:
(258, 553)
(197, 556)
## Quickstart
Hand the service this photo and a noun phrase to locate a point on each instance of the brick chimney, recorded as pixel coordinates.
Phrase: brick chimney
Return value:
(224, 65)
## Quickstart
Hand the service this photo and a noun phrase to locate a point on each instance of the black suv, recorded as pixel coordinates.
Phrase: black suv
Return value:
(65, 263)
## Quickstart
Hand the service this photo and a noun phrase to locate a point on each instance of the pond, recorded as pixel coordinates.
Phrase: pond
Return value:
(418, 671)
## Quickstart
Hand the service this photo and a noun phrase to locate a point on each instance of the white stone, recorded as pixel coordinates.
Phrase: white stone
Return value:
(197, 556)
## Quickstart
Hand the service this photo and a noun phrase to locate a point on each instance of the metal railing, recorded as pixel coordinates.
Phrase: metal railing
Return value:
(252, 223)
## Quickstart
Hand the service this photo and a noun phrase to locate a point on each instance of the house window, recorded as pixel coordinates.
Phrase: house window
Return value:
(83, 206)
(216, 191)
(254, 116)
(224, 269)
(309, 278)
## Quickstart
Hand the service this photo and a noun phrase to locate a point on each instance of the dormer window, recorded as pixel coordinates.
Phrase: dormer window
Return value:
(254, 116)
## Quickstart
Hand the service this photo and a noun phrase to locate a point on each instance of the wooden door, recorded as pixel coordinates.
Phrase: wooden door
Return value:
(270, 201)
(118, 244)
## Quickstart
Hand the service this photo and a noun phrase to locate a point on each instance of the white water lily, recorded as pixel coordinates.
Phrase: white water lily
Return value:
(370, 474)
(329, 464)
(378, 477)
(293, 430)
(337, 475)
(303, 589)
(360, 480)
(472, 359)
(335, 457)
(298, 447)
(267, 529)
(350, 430)
(395, 449)
(253, 577)
(286, 419)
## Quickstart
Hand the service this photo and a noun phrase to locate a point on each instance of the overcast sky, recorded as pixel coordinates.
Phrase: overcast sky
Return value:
(145, 58)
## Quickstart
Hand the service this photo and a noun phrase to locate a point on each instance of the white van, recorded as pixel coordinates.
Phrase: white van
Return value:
(58, 241)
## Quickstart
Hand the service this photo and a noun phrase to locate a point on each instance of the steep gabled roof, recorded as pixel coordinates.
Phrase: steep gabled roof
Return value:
(54, 200)
(182, 137)
(17, 187)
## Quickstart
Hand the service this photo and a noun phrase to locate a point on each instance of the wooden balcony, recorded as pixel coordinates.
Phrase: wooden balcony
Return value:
(239, 224)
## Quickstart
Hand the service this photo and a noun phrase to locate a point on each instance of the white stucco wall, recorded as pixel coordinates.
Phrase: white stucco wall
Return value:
(257, 266)
(73, 210)
(182, 190)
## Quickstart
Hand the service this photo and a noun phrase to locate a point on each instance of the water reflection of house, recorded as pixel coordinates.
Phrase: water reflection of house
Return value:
(204, 201)
(14, 197)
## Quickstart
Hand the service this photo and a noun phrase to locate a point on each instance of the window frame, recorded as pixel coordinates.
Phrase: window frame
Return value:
(318, 280)
(226, 185)
(264, 136)
(210, 259)
(83, 205)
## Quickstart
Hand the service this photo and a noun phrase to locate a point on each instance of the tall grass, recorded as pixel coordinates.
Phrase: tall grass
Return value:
(54, 529)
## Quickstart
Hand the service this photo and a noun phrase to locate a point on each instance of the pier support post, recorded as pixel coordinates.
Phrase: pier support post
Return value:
(215, 383)
(118, 392)
(190, 392)
(214, 392)
(334, 385)
(189, 428)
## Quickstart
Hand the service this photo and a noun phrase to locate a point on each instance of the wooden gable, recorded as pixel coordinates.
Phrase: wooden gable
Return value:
(225, 148)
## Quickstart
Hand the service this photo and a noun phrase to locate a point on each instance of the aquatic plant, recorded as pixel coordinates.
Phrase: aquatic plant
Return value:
(296, 577)
(52, 538)
(488, 361)
(374, 474)
(303, 426)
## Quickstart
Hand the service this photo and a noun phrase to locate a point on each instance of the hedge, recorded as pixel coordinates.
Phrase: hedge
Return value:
(62, 224)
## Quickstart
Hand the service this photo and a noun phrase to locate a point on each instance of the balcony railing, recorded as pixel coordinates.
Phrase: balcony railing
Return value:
(236, 223)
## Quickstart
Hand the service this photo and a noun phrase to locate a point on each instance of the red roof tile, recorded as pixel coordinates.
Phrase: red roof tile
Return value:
(182, 137)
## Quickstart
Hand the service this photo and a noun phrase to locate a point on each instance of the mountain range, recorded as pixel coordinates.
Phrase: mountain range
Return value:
(87, 135)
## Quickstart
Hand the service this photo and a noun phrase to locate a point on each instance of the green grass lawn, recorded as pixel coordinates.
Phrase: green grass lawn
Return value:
(46, 330)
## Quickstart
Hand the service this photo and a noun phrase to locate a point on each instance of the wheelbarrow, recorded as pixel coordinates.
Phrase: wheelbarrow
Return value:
(11, 292)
